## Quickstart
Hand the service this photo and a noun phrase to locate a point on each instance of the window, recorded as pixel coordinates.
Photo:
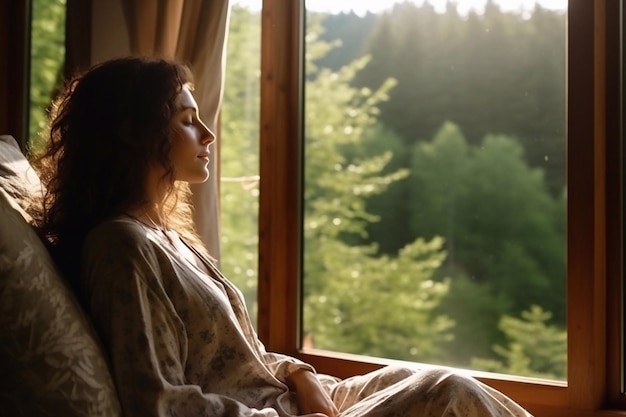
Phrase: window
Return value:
(593, 224)
(47, 50)
(239, 151)
(434, 184)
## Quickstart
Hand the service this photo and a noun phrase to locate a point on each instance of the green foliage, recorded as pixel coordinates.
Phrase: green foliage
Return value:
(492, 72)
(535, 348)
(485, 235)
(389, 207)
(476, 309)
(495, 212)
(504, 242)
(492, 182)
(438, 172)
(47, 52)
(337, 187)
(355, 300)
(378, 306)
(509, 237)
(239, 155)
(351, 29)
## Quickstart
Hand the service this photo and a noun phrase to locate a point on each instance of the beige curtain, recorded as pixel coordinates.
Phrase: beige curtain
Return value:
(195, 32)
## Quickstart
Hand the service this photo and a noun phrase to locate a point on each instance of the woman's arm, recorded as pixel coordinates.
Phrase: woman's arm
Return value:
(297, 375)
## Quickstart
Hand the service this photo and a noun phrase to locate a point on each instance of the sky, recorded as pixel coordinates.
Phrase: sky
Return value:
(463, 6)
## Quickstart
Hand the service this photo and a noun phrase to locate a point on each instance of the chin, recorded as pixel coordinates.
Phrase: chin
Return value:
(194, 177)
(199, 179)
(202, 179)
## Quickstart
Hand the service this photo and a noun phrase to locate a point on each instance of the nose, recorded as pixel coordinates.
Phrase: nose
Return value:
(208, 136)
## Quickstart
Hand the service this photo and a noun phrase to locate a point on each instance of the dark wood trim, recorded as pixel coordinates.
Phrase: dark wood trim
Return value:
(534, 394)
(15, 19)
(279, 211)
(78, 37)
(615, 198)
(586, 243)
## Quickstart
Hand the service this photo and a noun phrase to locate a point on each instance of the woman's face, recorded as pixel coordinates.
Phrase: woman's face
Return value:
(191, 138)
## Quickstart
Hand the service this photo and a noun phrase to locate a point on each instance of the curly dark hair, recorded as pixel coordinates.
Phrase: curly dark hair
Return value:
(108, 127)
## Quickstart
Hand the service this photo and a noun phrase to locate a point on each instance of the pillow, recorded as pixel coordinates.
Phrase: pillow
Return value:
(17, 177)
(50, 360)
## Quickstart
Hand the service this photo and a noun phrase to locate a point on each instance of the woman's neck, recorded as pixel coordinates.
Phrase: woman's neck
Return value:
(150, 211)
(153, 216)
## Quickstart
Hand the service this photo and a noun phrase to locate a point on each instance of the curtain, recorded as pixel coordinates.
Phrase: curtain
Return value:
(194, 32)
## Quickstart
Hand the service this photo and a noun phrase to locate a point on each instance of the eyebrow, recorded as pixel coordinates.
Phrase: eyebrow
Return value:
(185, 108)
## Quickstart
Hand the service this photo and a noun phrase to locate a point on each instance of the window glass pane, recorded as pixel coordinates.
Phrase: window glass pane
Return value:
(435, 196)
(46, 62)
(239, 151)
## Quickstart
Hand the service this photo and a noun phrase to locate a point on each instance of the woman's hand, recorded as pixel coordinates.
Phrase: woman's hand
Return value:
(312, 399)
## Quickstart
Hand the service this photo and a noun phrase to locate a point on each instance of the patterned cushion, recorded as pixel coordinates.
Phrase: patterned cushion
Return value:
(17, 177)
(51, 363)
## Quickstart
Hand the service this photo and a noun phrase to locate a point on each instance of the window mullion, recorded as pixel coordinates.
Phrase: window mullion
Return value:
(586, 199)
(279, 209)
(615, 194)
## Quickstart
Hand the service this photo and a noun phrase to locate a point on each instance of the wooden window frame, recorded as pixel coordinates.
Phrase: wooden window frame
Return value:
(595, 229)
(595, 194)
(15, 69)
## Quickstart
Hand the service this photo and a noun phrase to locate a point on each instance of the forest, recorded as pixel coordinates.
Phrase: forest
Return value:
(434, 180)
(434, 199)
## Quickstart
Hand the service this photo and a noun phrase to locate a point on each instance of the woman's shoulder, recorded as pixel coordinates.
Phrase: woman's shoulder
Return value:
(117, 226)
(119, 233)
(121, 246)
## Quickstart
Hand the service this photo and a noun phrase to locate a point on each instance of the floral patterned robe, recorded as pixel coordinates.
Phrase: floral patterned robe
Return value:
(181, 344)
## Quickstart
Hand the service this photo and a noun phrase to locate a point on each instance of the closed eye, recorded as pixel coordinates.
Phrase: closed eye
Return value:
(189, 116)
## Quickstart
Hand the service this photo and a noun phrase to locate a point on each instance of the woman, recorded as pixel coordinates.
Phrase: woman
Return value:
(125, 141)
